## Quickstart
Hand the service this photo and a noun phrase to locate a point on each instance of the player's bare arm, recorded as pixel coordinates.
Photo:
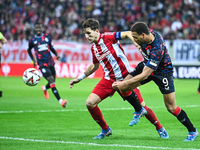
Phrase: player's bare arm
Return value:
(90, 70)
(31, 56)
(3, 40)
(128, 34)
(130, 84)
(58, 57)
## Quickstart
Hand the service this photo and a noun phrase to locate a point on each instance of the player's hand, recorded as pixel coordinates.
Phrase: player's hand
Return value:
(73, 81)
(34, 64)
(119, 85)
(58, 57)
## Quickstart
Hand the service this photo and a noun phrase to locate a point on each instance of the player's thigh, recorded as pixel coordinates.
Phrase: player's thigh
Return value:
(164, 82)
(104, 89)
(93, 100)
(53, 71)
(47, 74)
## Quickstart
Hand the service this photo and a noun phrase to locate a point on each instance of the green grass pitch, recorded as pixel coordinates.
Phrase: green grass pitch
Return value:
(30, 122)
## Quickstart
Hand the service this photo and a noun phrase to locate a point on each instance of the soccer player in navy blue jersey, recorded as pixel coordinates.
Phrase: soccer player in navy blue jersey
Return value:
(198, 90)
(42, 45)
(157, 66)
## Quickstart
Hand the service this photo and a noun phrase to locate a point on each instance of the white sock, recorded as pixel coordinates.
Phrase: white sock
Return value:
(60, 101)
(44, 88)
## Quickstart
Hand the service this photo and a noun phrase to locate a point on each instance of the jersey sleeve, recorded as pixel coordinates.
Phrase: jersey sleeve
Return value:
(111, 36)
(155, 59)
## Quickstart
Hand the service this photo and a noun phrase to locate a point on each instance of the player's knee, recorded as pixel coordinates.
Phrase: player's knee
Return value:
(143, 104)
(51, 79)
(92, 100)
(170, 108)
(90, 104)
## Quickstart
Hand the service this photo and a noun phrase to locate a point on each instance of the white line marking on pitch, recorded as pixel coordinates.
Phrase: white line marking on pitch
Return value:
(64, 110)
(93, 144)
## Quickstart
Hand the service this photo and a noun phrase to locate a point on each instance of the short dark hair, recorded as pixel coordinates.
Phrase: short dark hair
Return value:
(91, 23)
(140, 27)
(37, 23)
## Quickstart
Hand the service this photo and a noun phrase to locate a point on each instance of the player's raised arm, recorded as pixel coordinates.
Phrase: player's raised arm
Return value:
(128, 34)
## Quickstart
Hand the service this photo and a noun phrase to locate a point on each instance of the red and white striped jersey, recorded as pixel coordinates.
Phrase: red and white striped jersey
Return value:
(110, 54)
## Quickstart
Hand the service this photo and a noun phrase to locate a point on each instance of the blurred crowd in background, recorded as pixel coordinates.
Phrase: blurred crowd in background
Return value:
(62, 19)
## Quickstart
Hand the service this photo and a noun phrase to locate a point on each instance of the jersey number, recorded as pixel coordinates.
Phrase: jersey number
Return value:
(166, 83)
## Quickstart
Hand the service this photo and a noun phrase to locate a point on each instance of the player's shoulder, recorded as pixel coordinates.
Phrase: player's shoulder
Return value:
(107, 34)
(32, 39)
(46, 35)
(156, 34)
(158, 38)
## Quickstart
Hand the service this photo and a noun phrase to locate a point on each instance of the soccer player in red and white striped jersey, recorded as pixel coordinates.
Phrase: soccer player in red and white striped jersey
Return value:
(107, 51)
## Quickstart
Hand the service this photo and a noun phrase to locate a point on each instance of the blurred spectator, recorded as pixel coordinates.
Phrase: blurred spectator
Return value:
(176, 25)
(63, 58)
(63, 18)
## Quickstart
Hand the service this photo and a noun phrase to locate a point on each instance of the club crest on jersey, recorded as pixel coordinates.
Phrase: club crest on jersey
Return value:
(35, 42)
(46, 39)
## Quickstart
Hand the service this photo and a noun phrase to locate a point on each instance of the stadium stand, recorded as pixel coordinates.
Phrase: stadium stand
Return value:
(63, 18)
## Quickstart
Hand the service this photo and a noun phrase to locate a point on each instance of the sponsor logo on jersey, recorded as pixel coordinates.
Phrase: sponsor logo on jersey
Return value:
(42, 47)
(101, 57)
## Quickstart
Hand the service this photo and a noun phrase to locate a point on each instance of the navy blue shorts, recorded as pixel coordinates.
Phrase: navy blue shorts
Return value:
(164, 81)
(48, 71)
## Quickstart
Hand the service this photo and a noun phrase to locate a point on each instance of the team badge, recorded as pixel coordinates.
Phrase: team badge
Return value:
(46, 39)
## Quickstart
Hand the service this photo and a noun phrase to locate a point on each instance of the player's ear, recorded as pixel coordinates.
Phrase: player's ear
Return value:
(97, 30)
(143, 35)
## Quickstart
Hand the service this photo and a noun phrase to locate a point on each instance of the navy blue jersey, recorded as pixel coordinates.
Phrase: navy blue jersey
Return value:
(156, 55)
(42, 46)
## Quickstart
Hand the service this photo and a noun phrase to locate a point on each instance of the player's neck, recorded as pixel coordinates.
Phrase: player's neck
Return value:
(97, 38)
(150, 38)
(39, 35)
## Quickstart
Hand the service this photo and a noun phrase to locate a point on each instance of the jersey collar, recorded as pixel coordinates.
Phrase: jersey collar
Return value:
(39, 36)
